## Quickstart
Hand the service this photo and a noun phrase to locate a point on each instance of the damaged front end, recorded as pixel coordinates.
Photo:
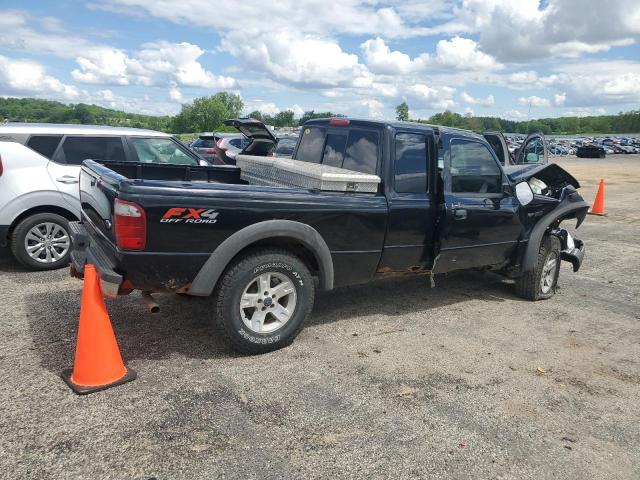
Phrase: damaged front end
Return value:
(551, 198)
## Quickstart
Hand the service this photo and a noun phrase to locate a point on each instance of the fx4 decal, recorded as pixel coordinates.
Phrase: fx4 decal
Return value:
(189, 215)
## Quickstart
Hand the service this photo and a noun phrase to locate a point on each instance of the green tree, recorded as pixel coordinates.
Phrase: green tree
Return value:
(257, 115)
(284, 119)
(402, 112)
(233, 103)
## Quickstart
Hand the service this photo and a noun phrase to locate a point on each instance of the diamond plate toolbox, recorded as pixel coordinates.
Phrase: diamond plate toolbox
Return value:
(286, 172)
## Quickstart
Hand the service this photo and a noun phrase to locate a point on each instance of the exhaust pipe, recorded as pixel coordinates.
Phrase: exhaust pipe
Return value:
(150, 303)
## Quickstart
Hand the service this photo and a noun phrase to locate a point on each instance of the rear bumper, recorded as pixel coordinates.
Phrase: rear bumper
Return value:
(4, 234)
(84, 252)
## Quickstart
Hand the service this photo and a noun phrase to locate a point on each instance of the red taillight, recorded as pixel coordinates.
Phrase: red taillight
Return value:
(130, 224)
(211, 151)
(339, 122)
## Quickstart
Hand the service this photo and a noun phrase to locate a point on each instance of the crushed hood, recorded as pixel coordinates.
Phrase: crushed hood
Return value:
(550, 173)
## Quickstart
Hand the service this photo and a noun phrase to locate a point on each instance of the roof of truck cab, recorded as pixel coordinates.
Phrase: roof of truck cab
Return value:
(74, 129)
(399, 124)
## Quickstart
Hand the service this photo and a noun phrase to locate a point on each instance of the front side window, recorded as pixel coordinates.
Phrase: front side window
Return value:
(75, 150)
(473, 168)
(161, 150)
(45, 145)
(410, 166)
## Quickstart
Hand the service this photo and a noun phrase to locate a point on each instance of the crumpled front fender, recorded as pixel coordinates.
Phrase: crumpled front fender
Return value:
(571, 206)
(573, 249)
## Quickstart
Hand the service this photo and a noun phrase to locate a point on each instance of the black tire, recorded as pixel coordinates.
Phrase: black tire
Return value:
(529, 286)
(232, 285)
(20, 233)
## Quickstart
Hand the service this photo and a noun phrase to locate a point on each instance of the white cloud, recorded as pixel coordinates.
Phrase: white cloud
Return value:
(534, 101)
(174, 93)
(514, 115)
(18, 76)
(463, 53)
(296, 59)
(312, 17)
(374, 108)
(522, 30)
(180, 61)
(559, 99)
(458, 53)
(177, 61)
(422, 96)
(262, 106)
(380, 59)
(484, 102)
(591, 84)
(297, 110)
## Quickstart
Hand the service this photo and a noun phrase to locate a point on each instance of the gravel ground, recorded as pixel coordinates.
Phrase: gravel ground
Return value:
(388, 380)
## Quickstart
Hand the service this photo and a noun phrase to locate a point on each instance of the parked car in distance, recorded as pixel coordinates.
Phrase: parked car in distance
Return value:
(205, 146)
(39, 170)
(590, 151)
(285, 146)
(228, 146)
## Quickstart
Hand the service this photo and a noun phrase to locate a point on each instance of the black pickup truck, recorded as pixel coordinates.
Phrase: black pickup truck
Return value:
(444, 203)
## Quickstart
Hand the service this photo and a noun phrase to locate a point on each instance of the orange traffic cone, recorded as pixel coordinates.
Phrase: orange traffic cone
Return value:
(98, 364)
(598, 203)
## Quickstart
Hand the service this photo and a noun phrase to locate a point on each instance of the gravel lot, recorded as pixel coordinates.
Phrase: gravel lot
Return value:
(389, 380)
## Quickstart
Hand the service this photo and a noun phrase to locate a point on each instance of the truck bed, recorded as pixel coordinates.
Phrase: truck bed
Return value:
(185, 173)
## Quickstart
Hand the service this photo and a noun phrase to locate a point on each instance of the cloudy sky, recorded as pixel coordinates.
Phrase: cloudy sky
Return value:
(510, 58)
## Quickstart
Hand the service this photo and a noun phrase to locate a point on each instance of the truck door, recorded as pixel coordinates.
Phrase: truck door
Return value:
(499, 145)
(480, 225)
(410, 228)
(533, 151)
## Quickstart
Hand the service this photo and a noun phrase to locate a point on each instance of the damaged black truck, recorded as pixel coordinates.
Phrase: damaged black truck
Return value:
(359, 200)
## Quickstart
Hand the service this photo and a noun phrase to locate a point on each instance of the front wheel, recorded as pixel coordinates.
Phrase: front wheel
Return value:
(262, 301)
(541, 282)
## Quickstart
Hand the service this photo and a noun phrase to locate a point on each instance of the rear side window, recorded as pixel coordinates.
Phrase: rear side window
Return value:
(473, 168)
(311, 145)
(355, 149)
(334, 149)
(362, 151)
(410, 166)
(75, 150)
(45, 145)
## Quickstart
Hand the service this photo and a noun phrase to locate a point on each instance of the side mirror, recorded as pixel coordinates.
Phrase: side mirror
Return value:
(532, 158)
(524, 193)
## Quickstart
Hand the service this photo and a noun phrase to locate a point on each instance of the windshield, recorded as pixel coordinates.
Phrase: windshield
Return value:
(161, 150)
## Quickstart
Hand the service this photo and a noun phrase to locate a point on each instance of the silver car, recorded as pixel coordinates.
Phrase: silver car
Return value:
(39, 169)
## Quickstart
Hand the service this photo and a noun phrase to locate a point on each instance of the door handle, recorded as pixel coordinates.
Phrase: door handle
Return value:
(68, 179)
(460, 214)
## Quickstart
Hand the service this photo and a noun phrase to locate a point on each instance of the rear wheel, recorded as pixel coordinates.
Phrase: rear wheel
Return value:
(540, 283)
(262, 301)
(42, 241)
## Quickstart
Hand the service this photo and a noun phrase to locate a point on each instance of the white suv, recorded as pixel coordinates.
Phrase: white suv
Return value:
(39, 170)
